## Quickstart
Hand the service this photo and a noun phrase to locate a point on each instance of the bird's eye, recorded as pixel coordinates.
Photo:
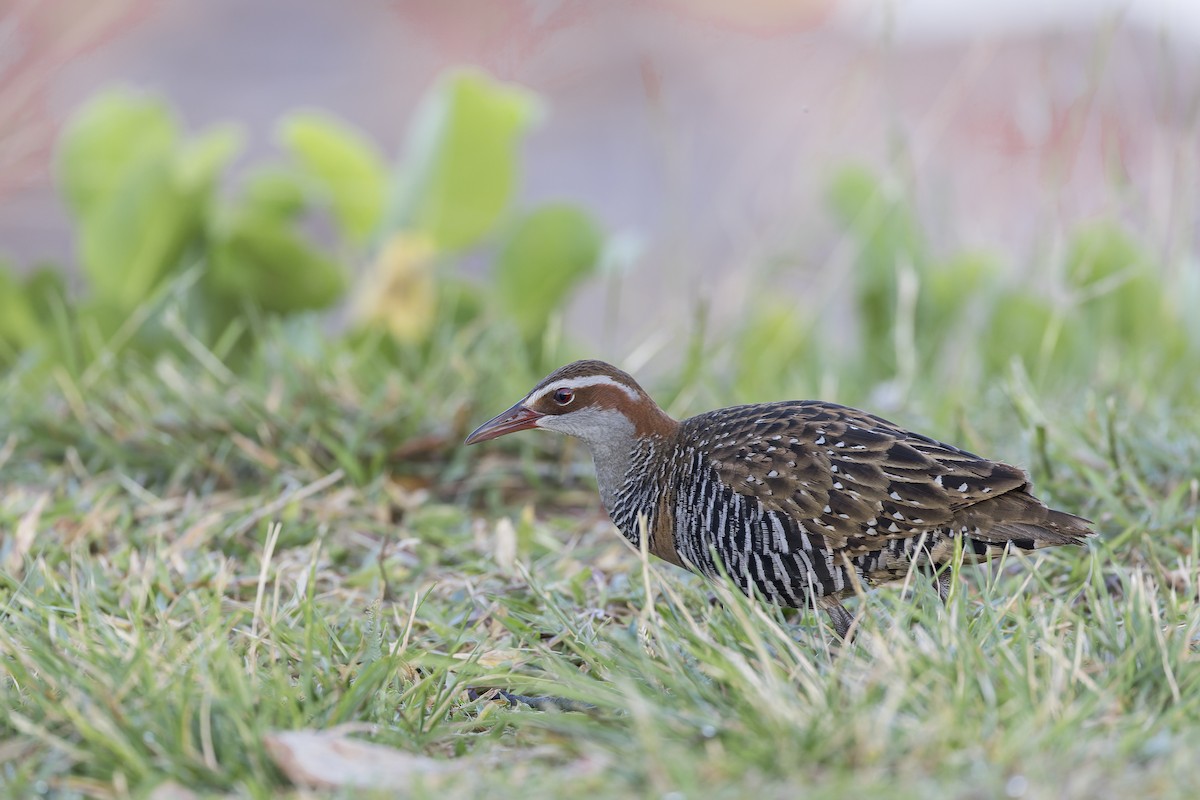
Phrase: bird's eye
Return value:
(563, 396)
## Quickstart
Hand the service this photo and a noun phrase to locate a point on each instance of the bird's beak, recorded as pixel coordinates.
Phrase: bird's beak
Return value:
(517, 418)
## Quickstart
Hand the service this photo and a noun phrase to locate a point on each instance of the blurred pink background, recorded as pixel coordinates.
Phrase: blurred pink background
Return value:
(701, 133)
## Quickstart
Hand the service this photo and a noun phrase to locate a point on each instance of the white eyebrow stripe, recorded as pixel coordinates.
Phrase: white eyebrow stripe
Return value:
(577, 383)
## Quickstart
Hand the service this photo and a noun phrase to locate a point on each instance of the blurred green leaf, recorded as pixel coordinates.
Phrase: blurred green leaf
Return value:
(19, 326)
(1101, 252)
(344, 164)
(138, 193)
(948, 290)
(137, 236)
(45, 289)
(259, 256)
(888, 236)
(262, 259)
(882, 221)
(547, 254)
(459, 301)
(29, 309)
(776, 339)
(274, 190)
(1121, 292)
(462, 162)
(200, 161)
(1028, 327)
(105, 140)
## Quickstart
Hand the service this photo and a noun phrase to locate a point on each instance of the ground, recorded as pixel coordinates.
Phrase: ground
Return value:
(194, 563)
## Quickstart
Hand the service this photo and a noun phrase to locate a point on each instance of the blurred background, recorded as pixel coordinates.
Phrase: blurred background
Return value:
(821, 196)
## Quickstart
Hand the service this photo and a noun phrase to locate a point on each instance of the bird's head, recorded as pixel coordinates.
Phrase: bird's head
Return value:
(591, 400)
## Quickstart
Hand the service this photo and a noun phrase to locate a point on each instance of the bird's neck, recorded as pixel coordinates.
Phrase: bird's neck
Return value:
(620, 450)
(626, 445)
(613, 454)
(628, 476)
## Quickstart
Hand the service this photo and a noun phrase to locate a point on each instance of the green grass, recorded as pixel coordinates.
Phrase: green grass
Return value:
(193, 560)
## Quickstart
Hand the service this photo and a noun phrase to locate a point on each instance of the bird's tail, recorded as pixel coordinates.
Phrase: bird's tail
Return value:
(1021, 521)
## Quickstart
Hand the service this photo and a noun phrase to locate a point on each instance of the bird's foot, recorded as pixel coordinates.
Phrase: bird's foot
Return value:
(538, 702)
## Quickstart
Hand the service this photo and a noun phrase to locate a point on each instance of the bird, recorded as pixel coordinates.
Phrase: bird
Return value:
(803, 502)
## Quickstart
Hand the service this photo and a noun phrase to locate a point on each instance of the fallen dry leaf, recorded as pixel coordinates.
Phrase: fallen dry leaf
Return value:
(496, 658)
(23, 539)
(331, 759)
(171, 790)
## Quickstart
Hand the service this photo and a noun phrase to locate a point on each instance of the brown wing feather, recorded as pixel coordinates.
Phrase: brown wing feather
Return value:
(858, 480)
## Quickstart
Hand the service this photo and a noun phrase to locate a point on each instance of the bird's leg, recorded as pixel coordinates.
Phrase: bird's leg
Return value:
(839, 617)
(942, 581)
